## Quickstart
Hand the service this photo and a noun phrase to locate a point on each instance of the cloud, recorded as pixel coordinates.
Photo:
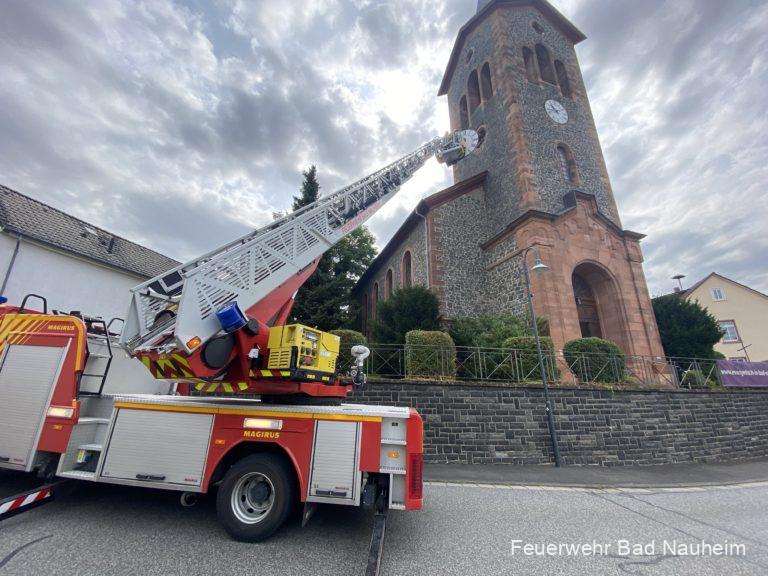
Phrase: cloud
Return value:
(678, 92)
(184, 124)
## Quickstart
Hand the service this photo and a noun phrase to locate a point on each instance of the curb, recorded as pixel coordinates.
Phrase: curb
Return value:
(603, 489)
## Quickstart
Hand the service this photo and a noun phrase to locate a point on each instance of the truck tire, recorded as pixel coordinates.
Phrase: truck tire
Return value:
(255, 497)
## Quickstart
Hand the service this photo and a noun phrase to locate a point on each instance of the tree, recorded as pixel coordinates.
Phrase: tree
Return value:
(325, 300)
(414, 308)
(310, 189)
(686, 328)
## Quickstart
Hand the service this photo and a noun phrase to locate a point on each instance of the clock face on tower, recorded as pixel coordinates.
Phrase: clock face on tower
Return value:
(556, 111)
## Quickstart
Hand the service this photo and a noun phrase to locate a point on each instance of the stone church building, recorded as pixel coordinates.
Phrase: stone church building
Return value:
(538, 179)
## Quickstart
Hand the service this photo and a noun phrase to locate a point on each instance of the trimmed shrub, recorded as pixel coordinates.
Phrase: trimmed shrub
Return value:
(347, 339)
(525, 359)
(595, 360)
(430, 354)
(696, 379)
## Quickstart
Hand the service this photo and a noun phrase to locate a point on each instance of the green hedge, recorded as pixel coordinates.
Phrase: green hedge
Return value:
(430, 354)
(524, 359)
(595, 360)
(490, 331)
(347, 339)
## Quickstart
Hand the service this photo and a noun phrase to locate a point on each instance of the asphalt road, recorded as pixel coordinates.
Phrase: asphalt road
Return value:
(463, 530)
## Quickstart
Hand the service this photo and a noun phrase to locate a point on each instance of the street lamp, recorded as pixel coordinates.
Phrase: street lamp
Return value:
(538, 267)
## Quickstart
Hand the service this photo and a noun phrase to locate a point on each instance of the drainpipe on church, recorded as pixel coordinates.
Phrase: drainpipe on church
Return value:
(426, 242)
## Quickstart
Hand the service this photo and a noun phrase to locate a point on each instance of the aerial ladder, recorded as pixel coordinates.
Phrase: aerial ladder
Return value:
(219, 321)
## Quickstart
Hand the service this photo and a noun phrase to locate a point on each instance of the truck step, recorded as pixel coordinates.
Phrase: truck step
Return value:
(393, 441)
(78, 475)
(392, 470)
(91, 447)
(91, 420)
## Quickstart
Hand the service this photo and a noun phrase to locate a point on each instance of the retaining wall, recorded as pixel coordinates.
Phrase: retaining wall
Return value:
(504, 424)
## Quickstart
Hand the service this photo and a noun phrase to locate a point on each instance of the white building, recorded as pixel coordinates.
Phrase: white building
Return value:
(73, 264)
(742, 313)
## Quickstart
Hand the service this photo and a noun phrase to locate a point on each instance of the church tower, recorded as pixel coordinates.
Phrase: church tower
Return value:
(513, 76)
(537, 184)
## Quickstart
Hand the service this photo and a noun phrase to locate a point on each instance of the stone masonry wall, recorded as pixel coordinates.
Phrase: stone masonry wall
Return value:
(416, 243)
(504, 278)
(478, 424)
(457, 229)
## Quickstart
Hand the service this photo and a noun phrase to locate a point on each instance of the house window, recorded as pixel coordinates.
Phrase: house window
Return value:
(545, 64)
(530, 65)
(473, 91)
(463, 113)
(567, 163)
(728, 327)
(718, 294)
(562, 79)
(388, 284)
(485, 81)
(407, 269)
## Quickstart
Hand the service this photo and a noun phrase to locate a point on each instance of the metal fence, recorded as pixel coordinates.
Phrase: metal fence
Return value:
(522, 366)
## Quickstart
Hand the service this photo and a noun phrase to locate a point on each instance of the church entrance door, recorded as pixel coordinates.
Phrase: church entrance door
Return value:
(586, 305)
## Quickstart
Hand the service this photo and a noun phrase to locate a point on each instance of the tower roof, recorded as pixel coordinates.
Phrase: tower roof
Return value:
(485, 7)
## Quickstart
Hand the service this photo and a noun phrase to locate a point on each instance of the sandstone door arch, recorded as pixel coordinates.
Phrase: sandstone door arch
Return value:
(598, 304)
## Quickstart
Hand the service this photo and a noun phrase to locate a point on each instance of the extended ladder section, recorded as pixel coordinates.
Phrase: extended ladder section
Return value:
(176, 310)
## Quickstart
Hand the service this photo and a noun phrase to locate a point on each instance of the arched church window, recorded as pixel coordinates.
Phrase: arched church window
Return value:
(485, 82)
(463, 113)
(562, 79)
(388, 284)
(473, 91)
(530, 65)
(567, 163)
(374, 299)
(407, 269)
(545, 64)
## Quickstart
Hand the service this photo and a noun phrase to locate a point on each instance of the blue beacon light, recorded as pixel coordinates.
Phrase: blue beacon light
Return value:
(231, 317)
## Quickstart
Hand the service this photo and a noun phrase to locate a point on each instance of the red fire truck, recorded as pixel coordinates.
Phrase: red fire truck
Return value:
(75, 404)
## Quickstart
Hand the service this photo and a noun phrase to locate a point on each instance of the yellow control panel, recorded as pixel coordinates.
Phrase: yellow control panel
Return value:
(301, 348)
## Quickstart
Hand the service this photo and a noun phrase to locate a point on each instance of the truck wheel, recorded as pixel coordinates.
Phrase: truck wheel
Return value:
(255, 497)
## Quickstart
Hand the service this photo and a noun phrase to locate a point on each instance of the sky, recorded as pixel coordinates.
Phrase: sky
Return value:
(183, 124)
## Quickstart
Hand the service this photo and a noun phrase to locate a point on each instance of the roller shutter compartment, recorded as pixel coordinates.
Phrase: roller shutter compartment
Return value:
(27, 377)
(168, 448)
